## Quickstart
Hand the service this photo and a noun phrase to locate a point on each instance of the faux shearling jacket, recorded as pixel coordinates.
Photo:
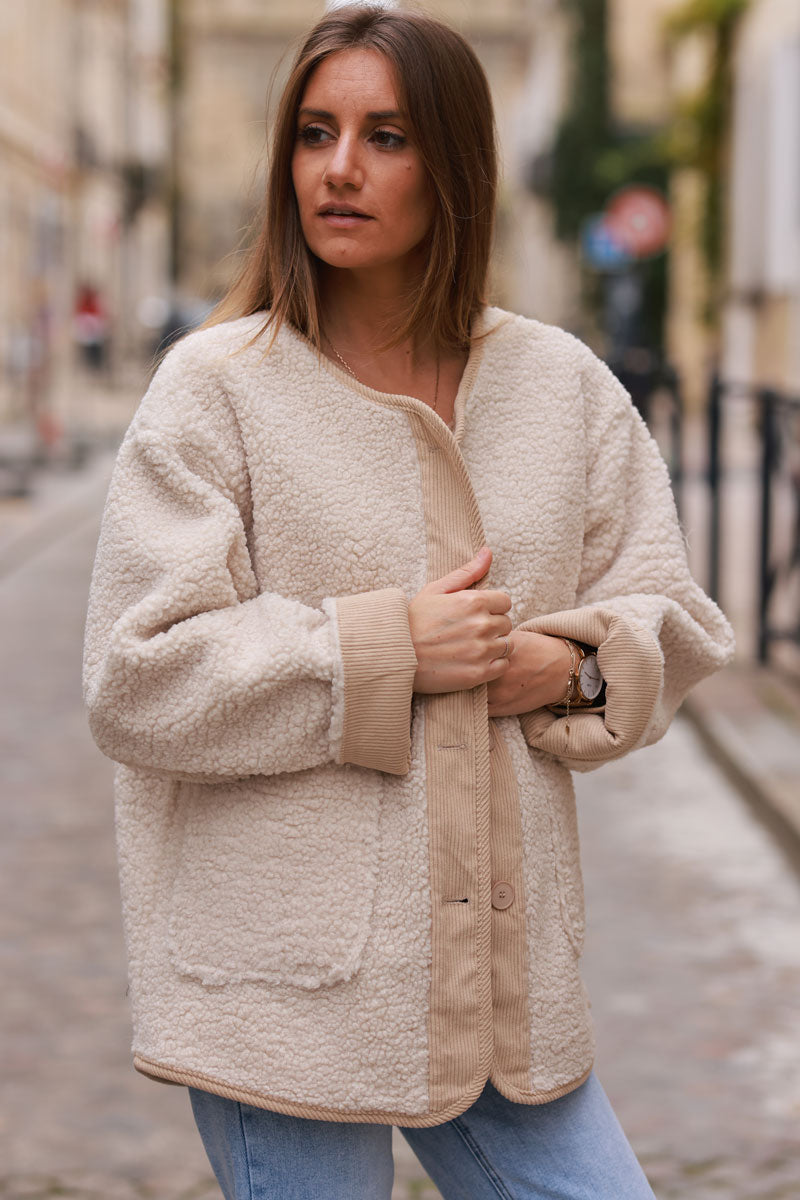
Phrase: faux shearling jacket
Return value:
(309, 851)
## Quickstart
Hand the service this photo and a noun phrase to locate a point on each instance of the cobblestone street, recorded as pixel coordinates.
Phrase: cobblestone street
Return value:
(692, 961)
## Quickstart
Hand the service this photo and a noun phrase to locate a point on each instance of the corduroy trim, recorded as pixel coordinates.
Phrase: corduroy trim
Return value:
(379, 669)
(512, 1022)
(633, 668)
(519, 1097)
(315, 1112)
(458, 788)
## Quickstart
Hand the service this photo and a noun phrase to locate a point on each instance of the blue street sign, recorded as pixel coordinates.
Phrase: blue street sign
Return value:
(599, 248)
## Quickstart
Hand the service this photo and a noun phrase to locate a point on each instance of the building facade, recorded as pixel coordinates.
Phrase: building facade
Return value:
(762, 313)
(83, 144)
(35, 202)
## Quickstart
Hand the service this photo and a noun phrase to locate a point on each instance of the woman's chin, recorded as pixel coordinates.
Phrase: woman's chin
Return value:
(400, 267)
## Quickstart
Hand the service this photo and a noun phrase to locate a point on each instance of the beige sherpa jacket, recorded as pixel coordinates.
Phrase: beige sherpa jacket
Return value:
(310, 853)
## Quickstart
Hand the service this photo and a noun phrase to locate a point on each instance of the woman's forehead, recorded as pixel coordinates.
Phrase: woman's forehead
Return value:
(362, 78)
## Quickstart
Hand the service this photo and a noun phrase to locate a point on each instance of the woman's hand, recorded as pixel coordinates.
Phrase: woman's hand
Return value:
(538, 674)
(458, 633)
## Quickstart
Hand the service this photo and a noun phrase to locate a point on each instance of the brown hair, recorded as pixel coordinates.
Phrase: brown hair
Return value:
(444, 91)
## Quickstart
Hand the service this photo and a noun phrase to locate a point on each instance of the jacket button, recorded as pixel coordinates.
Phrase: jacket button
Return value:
(502, 895)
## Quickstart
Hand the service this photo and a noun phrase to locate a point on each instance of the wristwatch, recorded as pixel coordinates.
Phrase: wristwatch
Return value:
(587, 681)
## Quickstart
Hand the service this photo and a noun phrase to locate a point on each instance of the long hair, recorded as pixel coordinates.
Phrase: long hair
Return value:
(444, 91)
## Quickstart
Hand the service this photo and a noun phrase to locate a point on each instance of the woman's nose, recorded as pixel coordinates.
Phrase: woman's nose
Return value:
(344, 166)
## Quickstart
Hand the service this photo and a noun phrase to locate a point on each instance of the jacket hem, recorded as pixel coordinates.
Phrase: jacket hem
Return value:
(531, 1098)
(316, 1112)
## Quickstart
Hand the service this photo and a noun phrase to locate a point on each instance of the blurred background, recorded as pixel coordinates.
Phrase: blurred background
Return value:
(650, 204)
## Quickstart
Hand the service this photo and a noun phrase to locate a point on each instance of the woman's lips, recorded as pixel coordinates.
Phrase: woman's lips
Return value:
(343, 219)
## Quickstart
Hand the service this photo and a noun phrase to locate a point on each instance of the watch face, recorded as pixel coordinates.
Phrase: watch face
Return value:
(591, 680)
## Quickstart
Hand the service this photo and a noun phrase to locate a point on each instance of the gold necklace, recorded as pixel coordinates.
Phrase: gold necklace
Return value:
(346, 366)
(350, 371)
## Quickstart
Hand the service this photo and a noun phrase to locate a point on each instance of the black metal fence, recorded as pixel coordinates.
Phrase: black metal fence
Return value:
(776, 420)
(764, 448)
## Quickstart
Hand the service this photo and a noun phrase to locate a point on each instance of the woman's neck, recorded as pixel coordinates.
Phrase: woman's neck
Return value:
(358, 315)
(359, 312)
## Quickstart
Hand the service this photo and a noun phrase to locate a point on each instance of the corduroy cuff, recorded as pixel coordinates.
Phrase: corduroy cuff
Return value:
(632, 665)
(379, 667)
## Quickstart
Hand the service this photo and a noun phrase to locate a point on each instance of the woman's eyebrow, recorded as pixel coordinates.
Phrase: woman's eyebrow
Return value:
(387, 114)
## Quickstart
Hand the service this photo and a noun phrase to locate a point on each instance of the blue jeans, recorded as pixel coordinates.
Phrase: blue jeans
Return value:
(568, 1149)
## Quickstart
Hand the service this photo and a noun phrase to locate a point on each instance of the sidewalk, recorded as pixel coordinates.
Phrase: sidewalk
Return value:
(62, 491)
(59, 501)
(748, 717)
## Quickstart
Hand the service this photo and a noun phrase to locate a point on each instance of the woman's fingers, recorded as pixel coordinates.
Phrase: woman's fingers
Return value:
(503, 646)
(459, 631)
(498, 629)
(496, 602)
(464, 576)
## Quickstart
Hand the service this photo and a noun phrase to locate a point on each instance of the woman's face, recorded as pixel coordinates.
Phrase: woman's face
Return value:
(363, 193)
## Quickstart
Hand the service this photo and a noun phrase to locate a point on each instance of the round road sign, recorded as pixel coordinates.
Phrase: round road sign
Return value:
(638, 218)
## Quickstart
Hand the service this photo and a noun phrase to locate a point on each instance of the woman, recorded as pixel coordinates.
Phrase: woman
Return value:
(345, 725)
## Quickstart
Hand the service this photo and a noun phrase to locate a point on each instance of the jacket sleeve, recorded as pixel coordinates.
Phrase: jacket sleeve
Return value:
(656, 631)
(190, 671)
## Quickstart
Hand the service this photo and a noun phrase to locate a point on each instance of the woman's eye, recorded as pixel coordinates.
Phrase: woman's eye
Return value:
(388, 140)
(313, 135)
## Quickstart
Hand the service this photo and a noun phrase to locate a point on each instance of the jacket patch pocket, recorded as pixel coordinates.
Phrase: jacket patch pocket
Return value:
(275, 880)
